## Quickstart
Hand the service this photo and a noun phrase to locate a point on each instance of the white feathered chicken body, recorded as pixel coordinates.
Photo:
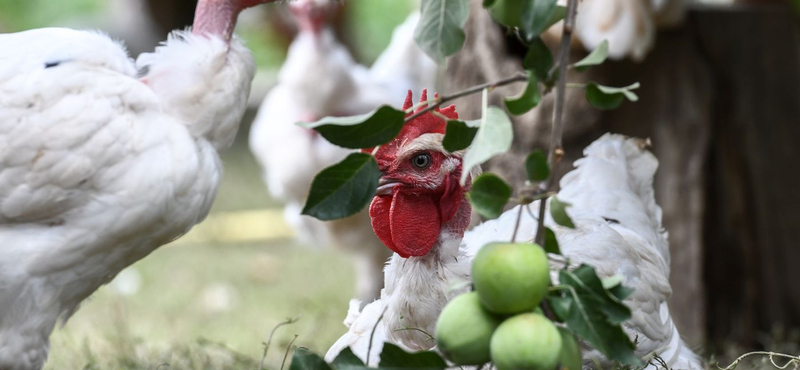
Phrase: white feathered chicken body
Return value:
(618, 231)
(320, 78)
(99, 167)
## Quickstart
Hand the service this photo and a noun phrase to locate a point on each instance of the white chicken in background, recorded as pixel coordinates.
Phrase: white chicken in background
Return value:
(629, 25)
(403, 65)
(421, 213)
(99, 167)
(319, 78)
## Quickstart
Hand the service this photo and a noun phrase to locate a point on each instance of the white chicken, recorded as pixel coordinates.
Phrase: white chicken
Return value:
(421, 213)
(319, 78)
(629, 25)
(99, 167)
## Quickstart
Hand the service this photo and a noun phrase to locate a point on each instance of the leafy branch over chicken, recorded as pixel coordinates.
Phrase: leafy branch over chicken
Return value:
(604, 216)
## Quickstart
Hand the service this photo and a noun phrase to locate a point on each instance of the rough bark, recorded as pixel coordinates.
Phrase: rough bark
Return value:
(752, 232)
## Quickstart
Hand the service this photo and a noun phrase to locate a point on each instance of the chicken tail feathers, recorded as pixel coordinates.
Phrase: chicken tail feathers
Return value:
(677, 356)
(623, 167)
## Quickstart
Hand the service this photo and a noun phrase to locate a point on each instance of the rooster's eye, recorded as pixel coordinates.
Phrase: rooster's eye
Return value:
(421, 161)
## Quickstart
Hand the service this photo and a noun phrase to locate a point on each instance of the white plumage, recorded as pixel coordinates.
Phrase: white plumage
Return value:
(320, 78)
(99, 167)
(629, 25)
(618, 231)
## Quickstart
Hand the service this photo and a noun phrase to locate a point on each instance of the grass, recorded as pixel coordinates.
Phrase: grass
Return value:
(199, 299)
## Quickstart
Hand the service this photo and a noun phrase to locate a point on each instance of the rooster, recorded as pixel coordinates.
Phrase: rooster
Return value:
(319, 78)
(98, 166)
(421, 213)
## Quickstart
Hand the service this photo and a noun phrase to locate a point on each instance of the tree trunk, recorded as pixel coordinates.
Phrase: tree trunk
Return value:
(752, 228)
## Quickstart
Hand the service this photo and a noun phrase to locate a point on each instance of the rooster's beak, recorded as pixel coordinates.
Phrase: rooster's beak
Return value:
(386, 186)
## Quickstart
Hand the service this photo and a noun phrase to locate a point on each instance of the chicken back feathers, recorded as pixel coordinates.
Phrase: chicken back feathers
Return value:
(98, 167)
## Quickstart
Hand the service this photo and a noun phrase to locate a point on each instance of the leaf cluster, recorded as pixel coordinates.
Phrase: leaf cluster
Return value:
(590, 309)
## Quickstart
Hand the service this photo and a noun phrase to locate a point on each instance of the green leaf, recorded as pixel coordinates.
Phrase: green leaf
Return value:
(550, 242)
(536, 15)
(559, 213)
(614, 286)
(344, 188)
(536, 166)
(620, 291)
(538, 58)
(594, 314)
(459, 135)
(394, 357)
(440, 29)
(507, 12)
(346, 360)
(488, 3)
(616, 311)
(605, 97)
(559, 304)
(494, 137)
(529, 98)
(303, 359)
(558, 15)
(489, 194)
(363, 131)
(596, 57)
(612, 281)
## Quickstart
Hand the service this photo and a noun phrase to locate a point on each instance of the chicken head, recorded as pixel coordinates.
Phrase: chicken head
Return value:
(419, 195)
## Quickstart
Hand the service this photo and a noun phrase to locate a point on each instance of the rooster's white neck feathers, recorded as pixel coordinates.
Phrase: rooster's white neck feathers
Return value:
(418, 288)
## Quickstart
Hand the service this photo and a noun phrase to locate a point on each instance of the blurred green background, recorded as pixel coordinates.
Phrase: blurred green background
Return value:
(210, 300)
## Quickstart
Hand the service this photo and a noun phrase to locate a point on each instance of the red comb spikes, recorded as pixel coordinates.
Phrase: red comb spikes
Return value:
(426, 123)
(449, 112)
(409, 100)
(423, 98)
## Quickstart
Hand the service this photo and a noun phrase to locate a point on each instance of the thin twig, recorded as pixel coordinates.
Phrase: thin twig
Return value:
(547, 311)
(530, 213)
(429, 336)
(559, 259)
(288, 348)
(540, 233)
(414, 107)
(556, 150)
(372, 334)
(516, 225)
(269, 340)
(472, 90)
(793, 360)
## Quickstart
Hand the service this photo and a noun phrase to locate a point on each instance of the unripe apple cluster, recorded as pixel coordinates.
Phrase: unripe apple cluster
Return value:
(500, 321)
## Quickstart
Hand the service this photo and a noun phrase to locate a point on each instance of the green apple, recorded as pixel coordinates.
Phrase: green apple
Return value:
(508, 12)
(527, 341)
(570, 356)
(464, 330)
(511, 278)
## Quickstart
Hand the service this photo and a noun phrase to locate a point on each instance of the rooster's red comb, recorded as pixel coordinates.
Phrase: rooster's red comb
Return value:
(426, 123)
